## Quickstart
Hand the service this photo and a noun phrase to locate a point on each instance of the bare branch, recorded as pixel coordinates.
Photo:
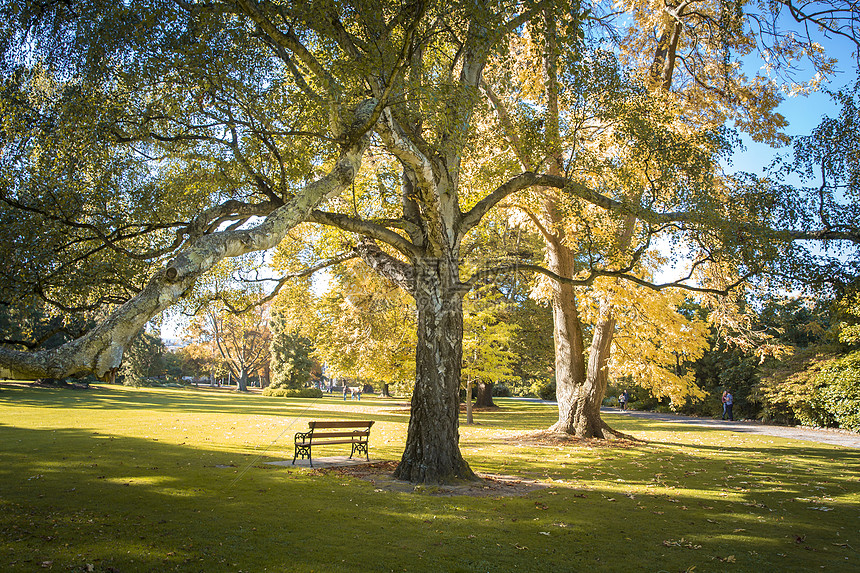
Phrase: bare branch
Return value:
(595, 274)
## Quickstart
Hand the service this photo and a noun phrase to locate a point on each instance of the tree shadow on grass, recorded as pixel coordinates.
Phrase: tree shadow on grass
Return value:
(191, 400)
(73, 497)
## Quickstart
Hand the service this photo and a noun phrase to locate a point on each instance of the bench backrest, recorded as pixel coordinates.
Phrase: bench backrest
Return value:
(315, 424)
(347, 429)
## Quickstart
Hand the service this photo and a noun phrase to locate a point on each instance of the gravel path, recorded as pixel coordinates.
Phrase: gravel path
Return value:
(836, 437)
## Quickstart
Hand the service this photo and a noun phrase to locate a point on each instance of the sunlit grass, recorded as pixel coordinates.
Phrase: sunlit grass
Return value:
(159, 480)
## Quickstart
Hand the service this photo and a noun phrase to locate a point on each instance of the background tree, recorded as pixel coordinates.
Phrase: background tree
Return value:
(200, 358)
(366, 330)
(144, 359)
(242, 339)
(290, 354)
(487, 337)
(707, 90)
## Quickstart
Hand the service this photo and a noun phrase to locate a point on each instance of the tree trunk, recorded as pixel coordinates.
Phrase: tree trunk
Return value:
(432, 451)
(485, 395)
(385, 391)
(570, 371)
(469, 419)
(242, 380)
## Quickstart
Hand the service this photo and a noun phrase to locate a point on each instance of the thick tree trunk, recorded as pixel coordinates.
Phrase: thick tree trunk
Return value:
(432, 451)
(582, 412)
(242, 381)
(570, 371)
(385, 391)
(580, 389)
(485, 395)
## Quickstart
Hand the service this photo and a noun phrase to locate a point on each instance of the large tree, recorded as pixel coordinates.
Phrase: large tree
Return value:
(685, 57)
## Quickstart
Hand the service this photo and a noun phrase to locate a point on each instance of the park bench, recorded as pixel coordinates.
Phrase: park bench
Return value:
(338, 432)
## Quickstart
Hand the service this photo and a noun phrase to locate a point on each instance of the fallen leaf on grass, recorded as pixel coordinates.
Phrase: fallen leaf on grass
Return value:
(681, 543)
(729, 559)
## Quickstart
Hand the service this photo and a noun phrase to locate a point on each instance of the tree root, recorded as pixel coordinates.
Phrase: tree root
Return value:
(618, 434)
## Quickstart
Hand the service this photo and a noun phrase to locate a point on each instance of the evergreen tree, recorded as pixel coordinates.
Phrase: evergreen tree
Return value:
(290, 354)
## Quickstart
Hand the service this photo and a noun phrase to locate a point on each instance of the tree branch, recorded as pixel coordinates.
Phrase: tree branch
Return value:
(367, 229)
(100, 350)
(399, 272)
(595, 274)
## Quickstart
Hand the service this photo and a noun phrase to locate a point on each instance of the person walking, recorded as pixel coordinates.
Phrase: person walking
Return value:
(723, 400)
(623, 399)
(728, 402)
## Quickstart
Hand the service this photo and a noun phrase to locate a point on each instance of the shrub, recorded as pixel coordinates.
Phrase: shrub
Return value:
(501, 391)
(293, 392)
(837, 392)
(545, 389)
(825, 391)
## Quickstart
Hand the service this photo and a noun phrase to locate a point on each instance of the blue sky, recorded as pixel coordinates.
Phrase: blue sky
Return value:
(803, 113)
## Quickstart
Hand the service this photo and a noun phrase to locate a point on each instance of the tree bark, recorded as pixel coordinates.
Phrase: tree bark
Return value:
(485, 395)
(432, 450)
(242, 380)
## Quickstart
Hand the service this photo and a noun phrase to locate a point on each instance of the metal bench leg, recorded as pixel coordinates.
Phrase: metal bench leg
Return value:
(360, 448)
(304, 451)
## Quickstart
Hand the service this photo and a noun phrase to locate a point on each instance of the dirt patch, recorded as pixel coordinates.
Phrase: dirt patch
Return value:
(489, 485)
(548, 438)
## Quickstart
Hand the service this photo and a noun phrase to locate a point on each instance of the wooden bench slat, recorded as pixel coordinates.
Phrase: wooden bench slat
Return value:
(331, 442)
(341, 434)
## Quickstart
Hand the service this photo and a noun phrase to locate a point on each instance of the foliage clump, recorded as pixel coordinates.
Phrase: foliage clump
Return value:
(819, 390)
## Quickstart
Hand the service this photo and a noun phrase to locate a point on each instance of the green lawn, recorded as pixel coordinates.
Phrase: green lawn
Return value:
(121, 480)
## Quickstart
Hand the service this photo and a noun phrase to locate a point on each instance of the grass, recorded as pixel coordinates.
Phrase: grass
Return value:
(115, 479)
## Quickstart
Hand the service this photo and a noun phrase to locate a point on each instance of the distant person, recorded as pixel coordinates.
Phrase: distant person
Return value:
(723, 400)
(728, 402)
(345, 390)
(623, 399)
